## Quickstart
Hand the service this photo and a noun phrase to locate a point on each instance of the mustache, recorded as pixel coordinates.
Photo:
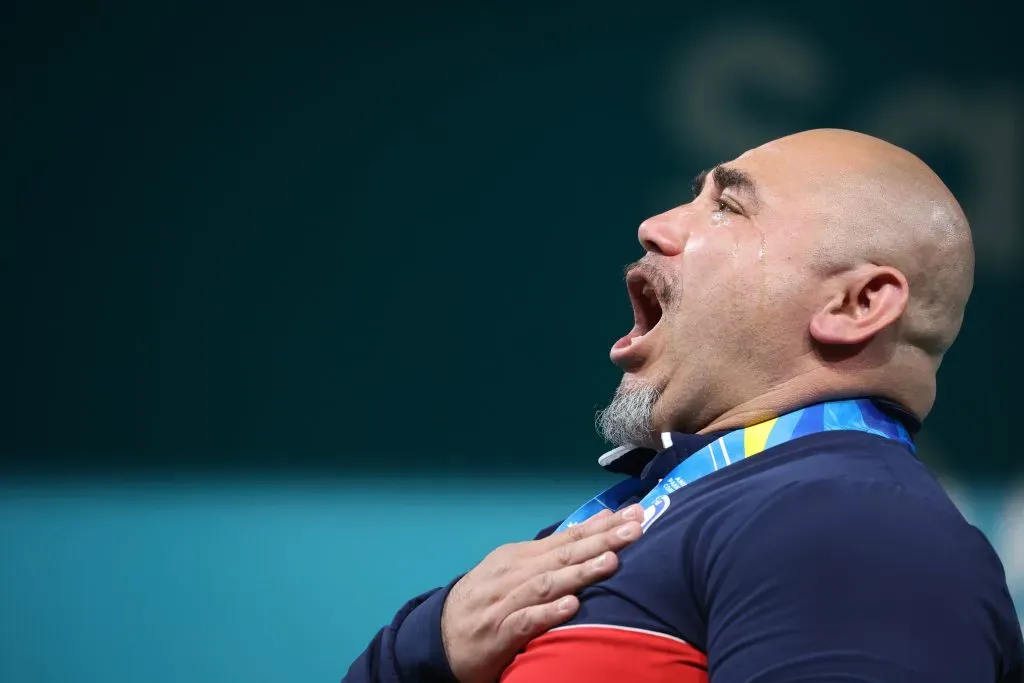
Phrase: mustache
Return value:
(659, 279)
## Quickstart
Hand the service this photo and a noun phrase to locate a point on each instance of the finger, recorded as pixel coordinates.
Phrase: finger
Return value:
(597, 524)
(558, 583)
(614, 539)
(512, 564)
(526, 624)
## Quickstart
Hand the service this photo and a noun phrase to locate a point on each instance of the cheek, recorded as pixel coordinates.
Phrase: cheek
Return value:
(702, 256)
(699, 244)
(716, 264)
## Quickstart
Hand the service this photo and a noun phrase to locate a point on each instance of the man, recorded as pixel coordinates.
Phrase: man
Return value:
(789, 323)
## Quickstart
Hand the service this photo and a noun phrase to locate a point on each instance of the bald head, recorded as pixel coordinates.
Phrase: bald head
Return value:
(886, 233)
(882, 205)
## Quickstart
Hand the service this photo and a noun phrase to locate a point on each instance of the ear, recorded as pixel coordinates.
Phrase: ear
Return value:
(870, 298)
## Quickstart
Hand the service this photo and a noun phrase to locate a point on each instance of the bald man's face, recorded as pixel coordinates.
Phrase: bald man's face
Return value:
(723, 297)
(783, 280)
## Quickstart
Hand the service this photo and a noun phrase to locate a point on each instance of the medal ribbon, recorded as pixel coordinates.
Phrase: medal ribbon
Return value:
(860, 415)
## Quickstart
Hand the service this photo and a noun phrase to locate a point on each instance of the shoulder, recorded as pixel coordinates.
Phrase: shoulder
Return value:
(848, 485)
(849, 481)
(857, 557)
(874, 576)
(882, 521)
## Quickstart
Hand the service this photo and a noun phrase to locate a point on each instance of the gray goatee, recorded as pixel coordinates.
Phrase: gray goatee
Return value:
(628, 419)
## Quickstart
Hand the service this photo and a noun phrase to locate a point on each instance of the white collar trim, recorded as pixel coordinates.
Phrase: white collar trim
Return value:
(614, 454)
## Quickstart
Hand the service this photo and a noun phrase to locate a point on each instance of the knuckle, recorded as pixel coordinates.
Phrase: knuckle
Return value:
(563, 555)
(612, 538)
(523, 623)
(499, 553)
(545, 586)
(514, 548)
(502, 555)
(576, 533)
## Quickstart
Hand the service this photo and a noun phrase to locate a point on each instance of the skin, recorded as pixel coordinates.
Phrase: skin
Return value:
(521, 590)
(846, 275)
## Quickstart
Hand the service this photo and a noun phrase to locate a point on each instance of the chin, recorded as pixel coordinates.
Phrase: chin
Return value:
(666, 414)
(639, 379)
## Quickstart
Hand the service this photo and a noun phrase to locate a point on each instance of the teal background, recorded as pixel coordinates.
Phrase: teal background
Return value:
(237, 581)
(264, 581)
(307, 306)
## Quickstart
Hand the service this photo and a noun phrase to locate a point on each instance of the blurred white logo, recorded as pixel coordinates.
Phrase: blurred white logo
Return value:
(653, 511)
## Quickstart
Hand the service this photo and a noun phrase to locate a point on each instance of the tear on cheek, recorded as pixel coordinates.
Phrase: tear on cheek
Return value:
(718, 219)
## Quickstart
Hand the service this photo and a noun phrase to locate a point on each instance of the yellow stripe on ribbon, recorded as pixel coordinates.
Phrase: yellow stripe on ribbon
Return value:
(755, 437)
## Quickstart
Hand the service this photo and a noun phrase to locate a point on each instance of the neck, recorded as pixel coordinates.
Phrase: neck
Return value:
(816, 387)
(778, 401)
(783, 398)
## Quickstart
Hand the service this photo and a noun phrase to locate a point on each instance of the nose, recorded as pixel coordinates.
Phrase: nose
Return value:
(662, 234)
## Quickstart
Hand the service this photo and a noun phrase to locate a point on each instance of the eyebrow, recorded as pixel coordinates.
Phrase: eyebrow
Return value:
(726, 178)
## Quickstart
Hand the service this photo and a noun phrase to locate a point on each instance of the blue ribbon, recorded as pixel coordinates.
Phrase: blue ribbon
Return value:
(860, 415)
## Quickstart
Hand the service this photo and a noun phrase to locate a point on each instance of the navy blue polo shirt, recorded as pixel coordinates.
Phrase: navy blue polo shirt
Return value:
(833, 557)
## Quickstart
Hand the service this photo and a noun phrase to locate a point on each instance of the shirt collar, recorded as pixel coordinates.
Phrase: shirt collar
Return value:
(910, 421)
(637, 461)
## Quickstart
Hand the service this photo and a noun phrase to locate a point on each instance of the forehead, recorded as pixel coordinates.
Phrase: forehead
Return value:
(790, 176)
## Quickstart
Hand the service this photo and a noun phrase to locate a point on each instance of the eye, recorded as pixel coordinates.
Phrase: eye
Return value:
(722, 206)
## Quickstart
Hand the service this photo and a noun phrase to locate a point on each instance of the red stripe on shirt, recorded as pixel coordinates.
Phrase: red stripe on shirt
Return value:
(596, 654)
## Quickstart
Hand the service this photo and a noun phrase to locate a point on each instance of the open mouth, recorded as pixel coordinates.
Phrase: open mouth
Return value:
(644, 295)
(646, 305)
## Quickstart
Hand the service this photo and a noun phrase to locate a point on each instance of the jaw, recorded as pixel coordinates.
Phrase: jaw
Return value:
(633, 382)
(675, 408)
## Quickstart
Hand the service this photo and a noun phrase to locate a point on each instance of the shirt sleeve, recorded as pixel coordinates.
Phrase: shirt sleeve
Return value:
(851, 581)
(409, 649)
